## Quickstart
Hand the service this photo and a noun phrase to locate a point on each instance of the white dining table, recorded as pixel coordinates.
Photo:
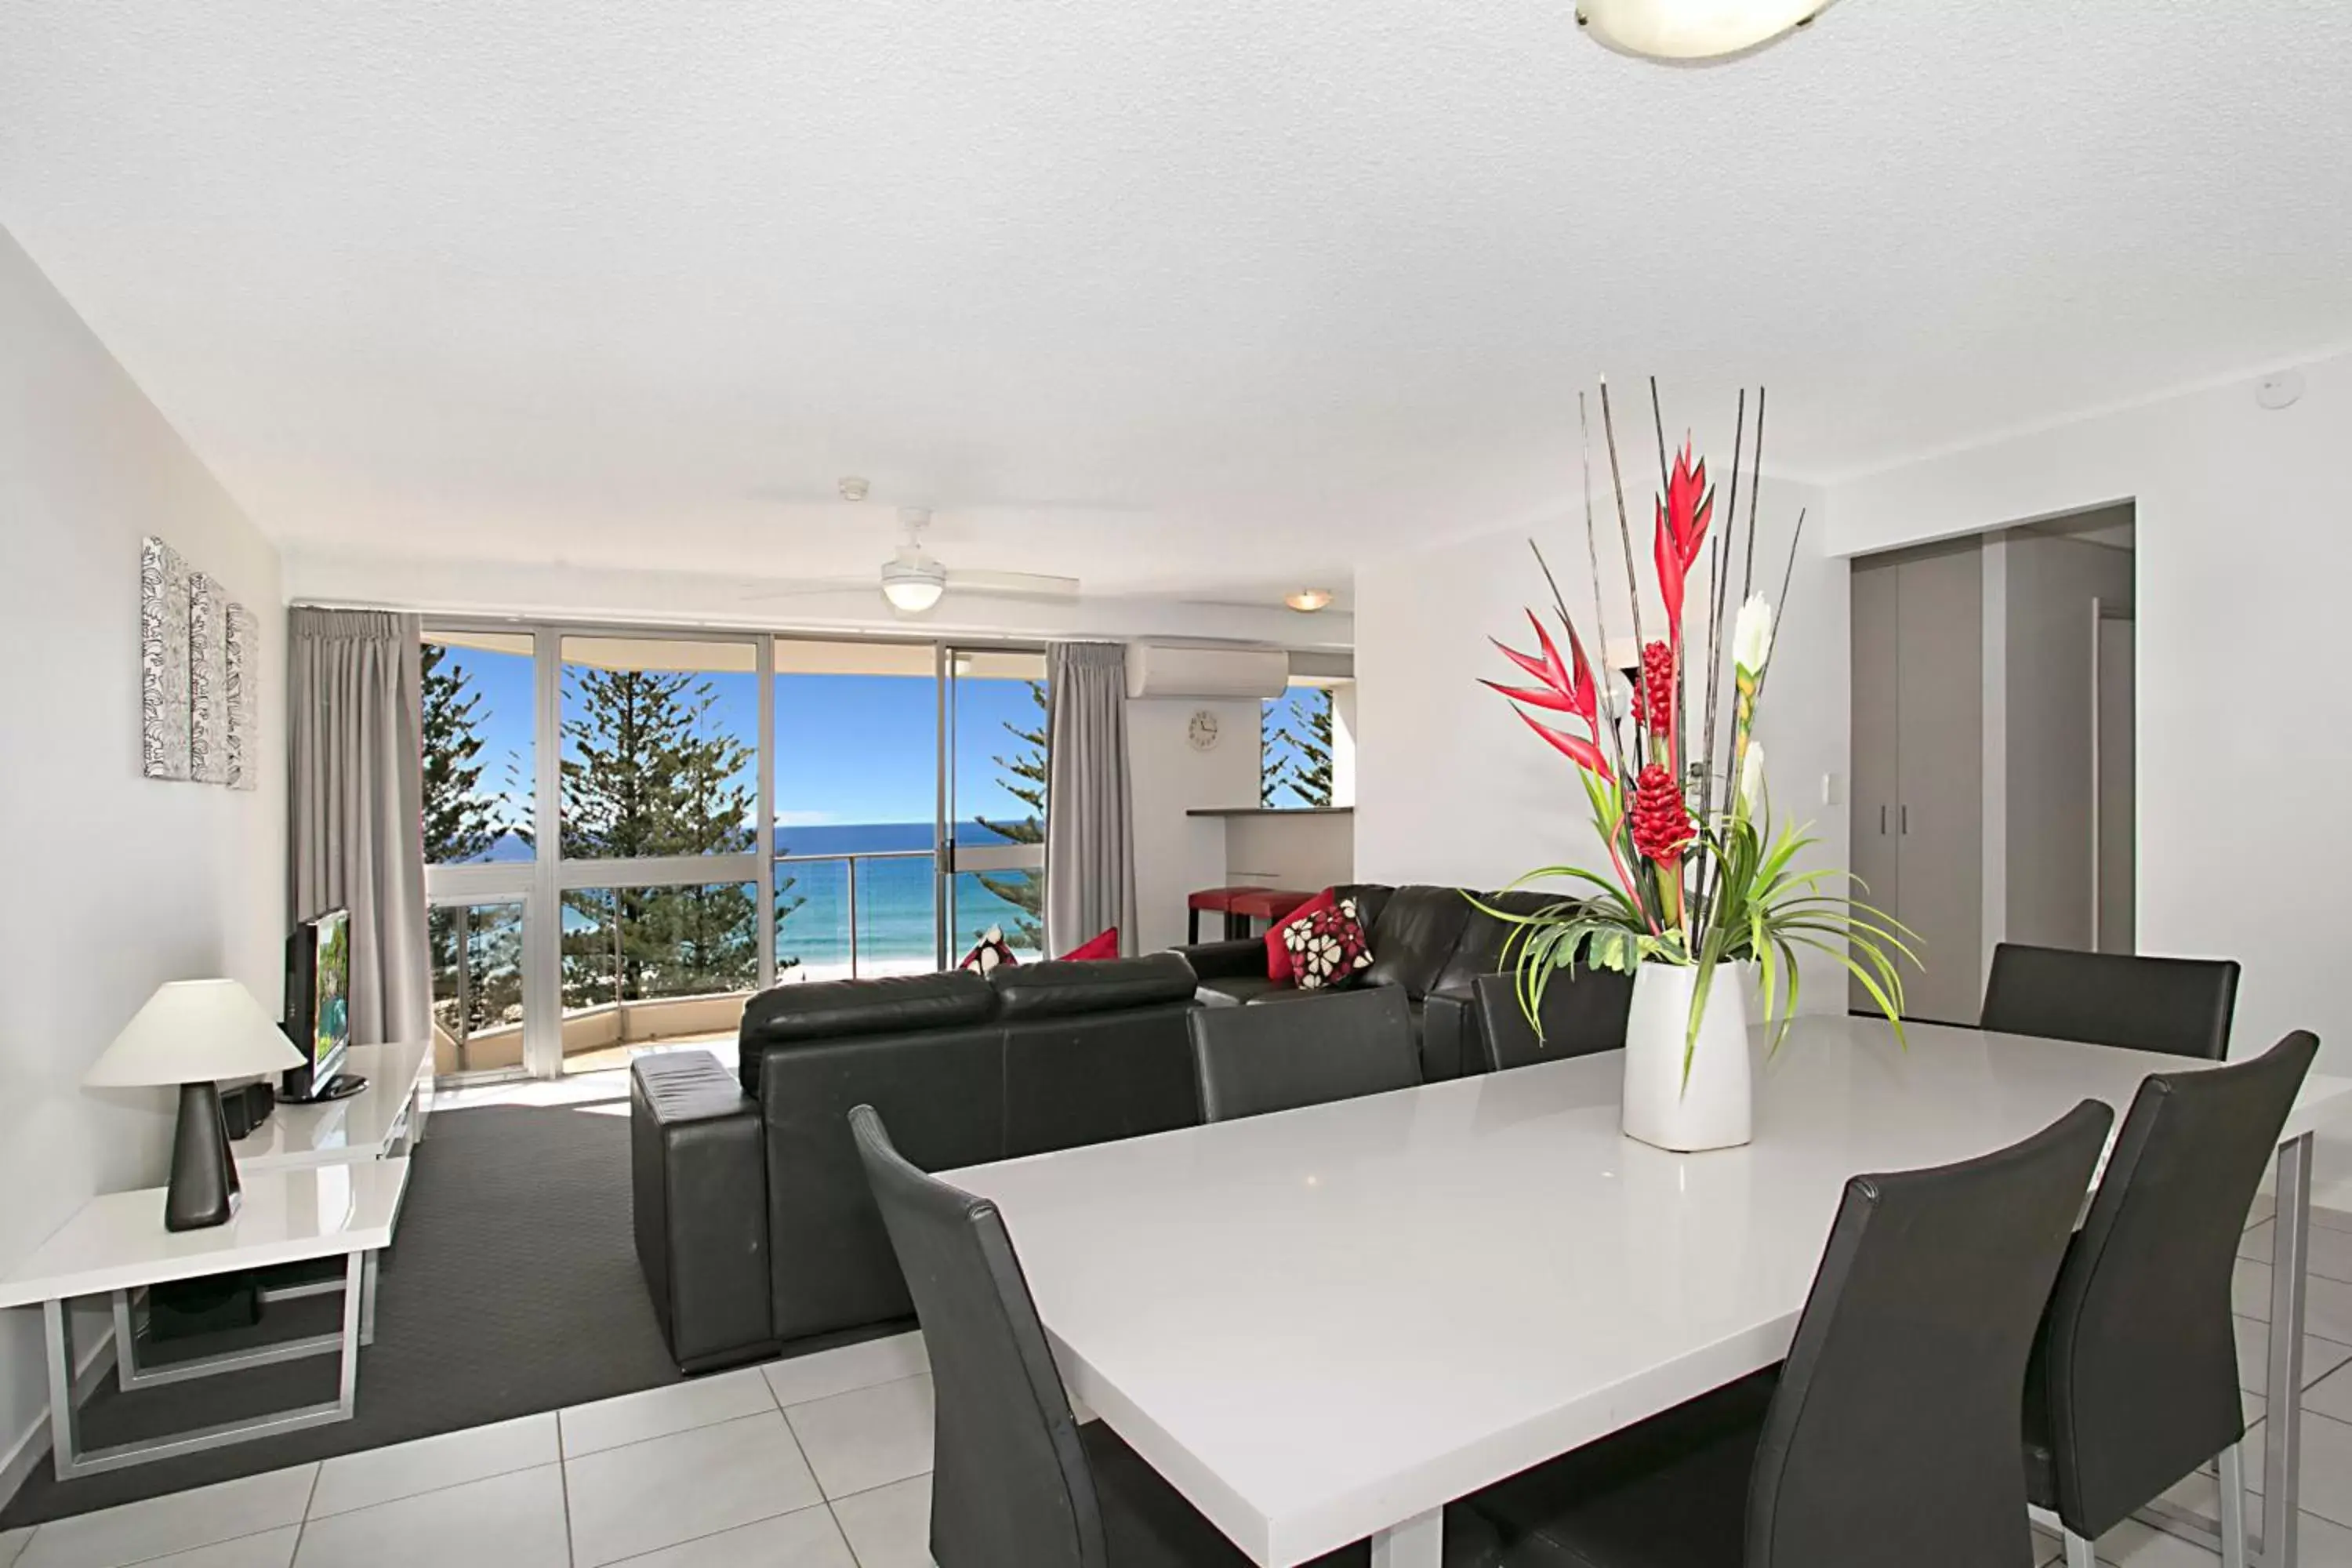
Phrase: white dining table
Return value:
(1323, 1325)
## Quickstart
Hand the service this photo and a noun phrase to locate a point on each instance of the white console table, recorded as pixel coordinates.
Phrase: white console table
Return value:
(378, 1122)
(116, 1244)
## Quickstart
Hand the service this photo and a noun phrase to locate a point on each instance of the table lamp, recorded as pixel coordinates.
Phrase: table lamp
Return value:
(193, 1033)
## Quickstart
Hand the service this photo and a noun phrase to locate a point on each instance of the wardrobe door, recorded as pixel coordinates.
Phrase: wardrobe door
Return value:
(1940, 813)
(1877, 773)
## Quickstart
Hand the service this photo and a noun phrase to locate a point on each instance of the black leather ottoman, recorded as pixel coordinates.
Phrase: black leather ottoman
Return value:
(699, 1184)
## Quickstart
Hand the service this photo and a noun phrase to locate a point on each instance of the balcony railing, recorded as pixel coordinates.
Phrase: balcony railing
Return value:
(903, 919)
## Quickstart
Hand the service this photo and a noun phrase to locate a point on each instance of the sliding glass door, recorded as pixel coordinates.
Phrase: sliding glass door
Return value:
(630, 831)
(993, 869)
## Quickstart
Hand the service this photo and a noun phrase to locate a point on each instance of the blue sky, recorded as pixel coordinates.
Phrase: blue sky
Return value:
(849, 748)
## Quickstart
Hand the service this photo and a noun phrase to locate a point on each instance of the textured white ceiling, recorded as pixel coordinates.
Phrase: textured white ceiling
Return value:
(1207, 298)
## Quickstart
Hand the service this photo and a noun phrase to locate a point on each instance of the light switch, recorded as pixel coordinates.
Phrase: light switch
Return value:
(1833, 789)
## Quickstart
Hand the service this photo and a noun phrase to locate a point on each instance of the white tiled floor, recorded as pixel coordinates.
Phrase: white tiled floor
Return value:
(823, 1461)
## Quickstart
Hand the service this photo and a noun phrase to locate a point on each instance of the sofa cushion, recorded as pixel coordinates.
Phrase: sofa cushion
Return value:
(1279, 968)
(1245, 988)
(1414, 938)
(1480, 951)
(1090, 1080)
(1330, 949)
(835, 1009)
(942, 1094)
(1063, 987)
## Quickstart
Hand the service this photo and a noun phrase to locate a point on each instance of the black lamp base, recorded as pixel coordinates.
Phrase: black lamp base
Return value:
(203, 1178)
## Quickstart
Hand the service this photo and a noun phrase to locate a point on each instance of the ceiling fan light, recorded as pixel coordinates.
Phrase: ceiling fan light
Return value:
(1691, 29)
(912, 589)
(1307, 601)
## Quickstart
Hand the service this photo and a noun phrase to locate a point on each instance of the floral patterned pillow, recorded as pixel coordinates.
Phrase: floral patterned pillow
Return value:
(1328, 948)
(991, 952)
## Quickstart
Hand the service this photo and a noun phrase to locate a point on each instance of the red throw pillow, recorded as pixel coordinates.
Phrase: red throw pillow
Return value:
(1277, 957)
(991, 952)
(1095, 948)
(1329, 949)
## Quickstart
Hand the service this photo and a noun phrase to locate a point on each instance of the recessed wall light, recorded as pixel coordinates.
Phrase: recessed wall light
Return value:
(1307, 601)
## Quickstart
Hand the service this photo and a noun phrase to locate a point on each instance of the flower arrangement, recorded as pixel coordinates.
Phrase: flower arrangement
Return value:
(1698, 873)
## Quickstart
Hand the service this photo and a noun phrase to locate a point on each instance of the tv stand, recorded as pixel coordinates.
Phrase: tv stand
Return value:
(342, 1086)
(374, 1110)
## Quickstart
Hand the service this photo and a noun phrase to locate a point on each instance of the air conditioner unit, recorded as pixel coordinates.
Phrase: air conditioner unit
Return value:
(1168, 670)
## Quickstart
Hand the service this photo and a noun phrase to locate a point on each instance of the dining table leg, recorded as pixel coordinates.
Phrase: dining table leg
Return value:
(1418, 1542)
(2282, 1412)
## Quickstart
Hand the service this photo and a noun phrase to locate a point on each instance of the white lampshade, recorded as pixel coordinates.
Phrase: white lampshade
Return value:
(191, 1031)
(1691, 29)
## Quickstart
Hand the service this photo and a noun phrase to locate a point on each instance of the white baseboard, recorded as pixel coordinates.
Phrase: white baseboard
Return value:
(31, 1446)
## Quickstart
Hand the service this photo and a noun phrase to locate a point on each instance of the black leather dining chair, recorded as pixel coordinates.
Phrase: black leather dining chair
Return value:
(1888, 1435)
(2178, 1005)
(1016, 1481)
(1583, 1011)
(2134, 1382)
(1278, 1055)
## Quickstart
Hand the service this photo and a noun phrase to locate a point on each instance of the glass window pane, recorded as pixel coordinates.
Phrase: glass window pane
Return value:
(1295, 742)
(857, 785)
(1005, 901)
(476, 950)
(478, 747)
(659, 747)
(999, 740)
(657, 967)
(896, 929)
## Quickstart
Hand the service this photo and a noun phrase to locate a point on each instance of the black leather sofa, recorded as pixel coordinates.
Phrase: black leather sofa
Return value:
(962, 1069)
(1434, 943)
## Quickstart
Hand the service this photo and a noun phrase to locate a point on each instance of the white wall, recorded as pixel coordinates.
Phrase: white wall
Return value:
(1452, 788)
(1303, 850)
(1174, 853)
(116, 883)
(2242, 555)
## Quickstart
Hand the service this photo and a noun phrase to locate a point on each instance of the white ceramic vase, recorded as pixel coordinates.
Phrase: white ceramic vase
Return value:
(1713, 1109)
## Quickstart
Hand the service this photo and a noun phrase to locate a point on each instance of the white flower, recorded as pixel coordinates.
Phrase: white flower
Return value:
(1752, 776)
(1752, 637)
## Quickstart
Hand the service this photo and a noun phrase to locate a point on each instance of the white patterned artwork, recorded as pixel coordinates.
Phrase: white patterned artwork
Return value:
(207, 681)
(164, 688)
(244, 662)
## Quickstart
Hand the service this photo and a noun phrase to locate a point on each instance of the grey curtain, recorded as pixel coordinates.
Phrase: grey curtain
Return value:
(354, 804)
(1089, 823)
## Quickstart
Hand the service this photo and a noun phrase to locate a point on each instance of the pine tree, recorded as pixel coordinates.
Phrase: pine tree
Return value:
(1022, 776)
(1313, 784)
(1271, 767)
(475, 952)
(648, 772)
(461, 822)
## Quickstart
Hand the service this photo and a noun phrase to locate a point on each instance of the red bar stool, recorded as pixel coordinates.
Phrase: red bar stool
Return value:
(1218, 900)
(1267, 904)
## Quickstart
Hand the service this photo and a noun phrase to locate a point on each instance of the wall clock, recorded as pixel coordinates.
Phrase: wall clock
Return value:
(1202, 731)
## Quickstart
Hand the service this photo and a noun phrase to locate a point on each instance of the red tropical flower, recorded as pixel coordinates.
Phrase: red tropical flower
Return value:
(1567, 688)
(1654, 695)
(1661, 821)
(1682, 516)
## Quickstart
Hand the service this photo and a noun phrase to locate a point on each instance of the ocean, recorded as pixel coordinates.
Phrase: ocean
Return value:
(896, 898)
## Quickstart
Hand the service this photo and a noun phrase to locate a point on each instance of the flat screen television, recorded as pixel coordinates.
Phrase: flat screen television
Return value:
(318, 1002)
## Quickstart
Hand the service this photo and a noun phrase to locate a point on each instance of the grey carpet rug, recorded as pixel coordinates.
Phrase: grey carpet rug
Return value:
(511, 1288)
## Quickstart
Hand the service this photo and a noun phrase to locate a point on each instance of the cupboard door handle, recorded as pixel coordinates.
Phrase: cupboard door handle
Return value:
(1882, 822)
(1907, 817)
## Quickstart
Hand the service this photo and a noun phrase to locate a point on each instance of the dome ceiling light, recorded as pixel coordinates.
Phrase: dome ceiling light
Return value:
(1307, 601)
(1692, 29)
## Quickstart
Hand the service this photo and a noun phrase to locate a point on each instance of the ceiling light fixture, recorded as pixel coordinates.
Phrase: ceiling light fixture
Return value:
(913, 587)
(1691, 29)
(1307, 601)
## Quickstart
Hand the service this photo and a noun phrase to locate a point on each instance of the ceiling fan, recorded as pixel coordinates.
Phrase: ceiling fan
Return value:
(913, 580)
